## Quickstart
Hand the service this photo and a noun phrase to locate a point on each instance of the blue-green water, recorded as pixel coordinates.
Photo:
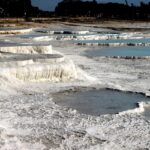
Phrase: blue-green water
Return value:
(119, 51)
(98, 102)
(134, 41)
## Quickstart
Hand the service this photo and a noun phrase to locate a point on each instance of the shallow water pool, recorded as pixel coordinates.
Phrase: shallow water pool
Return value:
(119, 51)
(99, 102)
(134, 41)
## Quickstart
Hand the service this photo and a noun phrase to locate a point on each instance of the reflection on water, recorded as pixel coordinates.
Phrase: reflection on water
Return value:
(98, 102)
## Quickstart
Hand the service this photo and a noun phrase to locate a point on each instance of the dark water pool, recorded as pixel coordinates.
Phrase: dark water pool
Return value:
(119, 51)
(98, 102)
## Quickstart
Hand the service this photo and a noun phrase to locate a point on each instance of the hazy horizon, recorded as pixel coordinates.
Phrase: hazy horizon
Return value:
(50, 5)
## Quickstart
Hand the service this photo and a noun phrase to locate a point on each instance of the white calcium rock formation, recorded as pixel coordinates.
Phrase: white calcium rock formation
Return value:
(43, 38)
(63, 71)
(12, 60)
(62, 31)
(142, 108)
(30, 63)
(14, 31)
(27, 49)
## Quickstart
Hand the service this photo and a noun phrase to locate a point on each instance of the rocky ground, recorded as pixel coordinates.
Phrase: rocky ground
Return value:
(29, 119)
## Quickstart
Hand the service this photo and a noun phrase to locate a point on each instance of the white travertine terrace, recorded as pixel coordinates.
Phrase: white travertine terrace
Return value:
(27, 49)
(64, 37)
(15, 31)
(62, 71)
(35, 63)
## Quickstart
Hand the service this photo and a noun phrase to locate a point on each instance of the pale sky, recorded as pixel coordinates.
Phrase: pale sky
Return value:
(51, 4)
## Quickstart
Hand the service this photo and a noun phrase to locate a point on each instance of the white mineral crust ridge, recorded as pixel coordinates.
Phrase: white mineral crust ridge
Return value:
(14, 31)
(27, 49)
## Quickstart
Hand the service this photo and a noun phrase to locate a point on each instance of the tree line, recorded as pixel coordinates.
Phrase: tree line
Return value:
(19, 8)
(77, 8)
(103, 11)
